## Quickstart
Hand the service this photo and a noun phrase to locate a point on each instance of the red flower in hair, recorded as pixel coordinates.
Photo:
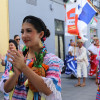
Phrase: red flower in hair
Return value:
(44, 38)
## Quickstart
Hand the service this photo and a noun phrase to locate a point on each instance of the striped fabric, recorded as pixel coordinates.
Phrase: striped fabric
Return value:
(98, 95)
(20, 93)
(71, 65)
(8, 67)
(54, 73)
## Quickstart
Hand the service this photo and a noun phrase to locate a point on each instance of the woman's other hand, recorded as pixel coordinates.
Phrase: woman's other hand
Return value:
(16, 59)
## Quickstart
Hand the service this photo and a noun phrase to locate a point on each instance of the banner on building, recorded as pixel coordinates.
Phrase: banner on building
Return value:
(71, 20)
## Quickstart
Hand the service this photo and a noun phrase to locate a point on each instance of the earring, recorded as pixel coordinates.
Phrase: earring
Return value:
(41, 44)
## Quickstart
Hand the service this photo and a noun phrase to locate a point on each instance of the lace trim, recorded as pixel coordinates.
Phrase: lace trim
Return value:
(4, 77)
(56, 95)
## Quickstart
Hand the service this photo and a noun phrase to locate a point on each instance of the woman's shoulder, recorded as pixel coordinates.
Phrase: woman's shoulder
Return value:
(51, 58)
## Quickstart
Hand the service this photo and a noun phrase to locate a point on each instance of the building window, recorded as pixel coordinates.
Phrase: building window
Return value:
(32, 2)
(59, 39)
(59, 26)
(93, 33)
(96, 3)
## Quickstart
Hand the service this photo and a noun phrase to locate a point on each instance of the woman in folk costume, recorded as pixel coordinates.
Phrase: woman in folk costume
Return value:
(37, 76)
(70, 62)
(94, 51)
(8, 65)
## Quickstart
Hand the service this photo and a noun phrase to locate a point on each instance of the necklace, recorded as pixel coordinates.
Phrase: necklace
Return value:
(38, 66)
(38, 59)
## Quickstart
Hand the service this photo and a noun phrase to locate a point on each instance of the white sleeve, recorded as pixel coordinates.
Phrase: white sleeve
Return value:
(5, 76)
(2, 83)
(90, 47)
(70, 49)
(93, 49)
(56, 95)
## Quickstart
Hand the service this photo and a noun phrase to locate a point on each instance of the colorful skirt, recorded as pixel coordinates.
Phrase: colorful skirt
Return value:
(71, 66)
(22, 93)
(93, 65)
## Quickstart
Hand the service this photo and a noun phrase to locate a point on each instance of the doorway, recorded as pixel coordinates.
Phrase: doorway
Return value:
(59, 39)
(59, 46)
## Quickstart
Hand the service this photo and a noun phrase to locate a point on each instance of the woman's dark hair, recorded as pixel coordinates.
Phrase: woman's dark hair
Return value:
(14, 42)
(38, 24)
(15, 36)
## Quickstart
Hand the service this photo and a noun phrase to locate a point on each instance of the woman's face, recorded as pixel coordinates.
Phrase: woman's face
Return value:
(17, 39)
(30, 36)
(97, 42)
(12, 46)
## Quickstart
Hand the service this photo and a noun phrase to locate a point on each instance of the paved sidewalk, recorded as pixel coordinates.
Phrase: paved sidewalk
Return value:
(69, 92)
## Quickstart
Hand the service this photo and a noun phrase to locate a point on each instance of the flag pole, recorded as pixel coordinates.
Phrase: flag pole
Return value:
(94, 6)
(75, 46)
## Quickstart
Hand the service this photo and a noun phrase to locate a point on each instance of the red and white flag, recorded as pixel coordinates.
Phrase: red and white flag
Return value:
(71, 20)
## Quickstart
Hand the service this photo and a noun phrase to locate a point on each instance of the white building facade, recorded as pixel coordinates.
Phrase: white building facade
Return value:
(52, 12)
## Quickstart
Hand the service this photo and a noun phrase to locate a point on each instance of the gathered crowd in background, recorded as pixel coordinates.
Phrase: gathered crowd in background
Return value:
(80, 59)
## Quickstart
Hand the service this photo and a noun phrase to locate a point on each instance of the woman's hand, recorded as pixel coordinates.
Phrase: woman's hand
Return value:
(3, 60)
(1, 57)
(16, 71)
(16, 59)
(74, 58)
